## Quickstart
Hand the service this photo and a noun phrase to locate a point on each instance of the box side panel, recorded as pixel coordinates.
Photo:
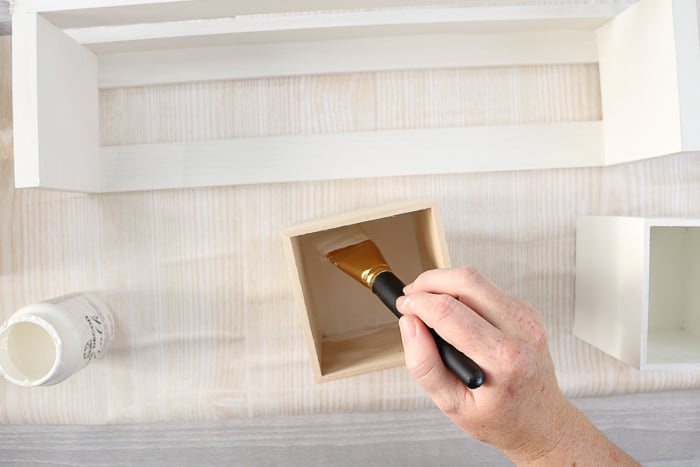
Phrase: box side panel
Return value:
(685, 17)
(693, 316)
(640, 83)
(609, 285)
(669, 275)
(357, 355)
(67, 112)
(431, 235)
(324, 51)
(87, 13)
(357, 216)
(309, 326)
(24, 99)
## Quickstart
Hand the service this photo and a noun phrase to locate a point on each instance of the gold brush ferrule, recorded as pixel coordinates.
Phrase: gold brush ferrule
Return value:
(362, 261)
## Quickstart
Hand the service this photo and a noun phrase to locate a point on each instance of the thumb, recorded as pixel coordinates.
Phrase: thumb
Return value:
(423, 360)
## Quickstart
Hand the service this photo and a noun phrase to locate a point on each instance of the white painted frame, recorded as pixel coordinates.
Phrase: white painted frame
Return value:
(65, 50)
(636, 289)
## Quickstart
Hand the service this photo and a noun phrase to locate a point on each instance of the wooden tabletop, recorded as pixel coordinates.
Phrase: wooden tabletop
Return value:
(207, 324)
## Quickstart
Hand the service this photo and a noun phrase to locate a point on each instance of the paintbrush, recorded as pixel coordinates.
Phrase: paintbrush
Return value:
(354, 253)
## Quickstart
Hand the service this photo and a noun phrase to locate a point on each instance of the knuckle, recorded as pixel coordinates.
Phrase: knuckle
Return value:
(539, 337)
(528, 309)
(443, 307)
(420, 277)
(535, 331)
(513, 359)
(532, 322)
(469, 275)
(537, 316)
(422, 370)
(509, 351)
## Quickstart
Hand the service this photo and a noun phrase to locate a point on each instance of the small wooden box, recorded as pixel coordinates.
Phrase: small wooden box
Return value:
(347, 329)
(638, 289)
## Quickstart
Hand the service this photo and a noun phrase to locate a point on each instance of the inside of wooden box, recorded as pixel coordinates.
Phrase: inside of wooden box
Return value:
(356, 332)
(674, 295)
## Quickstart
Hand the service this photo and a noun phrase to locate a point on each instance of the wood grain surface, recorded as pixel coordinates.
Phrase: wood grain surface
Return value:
(207, 324)
(320, 104)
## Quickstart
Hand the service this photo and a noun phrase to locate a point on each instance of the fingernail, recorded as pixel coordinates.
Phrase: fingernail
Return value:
(399, 301)
(408, 327)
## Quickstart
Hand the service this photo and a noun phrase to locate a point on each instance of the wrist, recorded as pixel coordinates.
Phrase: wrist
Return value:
(576, 440)
(548, 441)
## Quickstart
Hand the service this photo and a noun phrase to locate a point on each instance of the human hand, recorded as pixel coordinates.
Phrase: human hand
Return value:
(520, 408)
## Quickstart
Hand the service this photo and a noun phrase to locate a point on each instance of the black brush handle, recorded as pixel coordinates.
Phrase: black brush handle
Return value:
(388, 288)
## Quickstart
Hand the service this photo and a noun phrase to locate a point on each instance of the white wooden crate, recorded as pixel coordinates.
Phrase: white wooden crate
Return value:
(64, 51)
(637, 289)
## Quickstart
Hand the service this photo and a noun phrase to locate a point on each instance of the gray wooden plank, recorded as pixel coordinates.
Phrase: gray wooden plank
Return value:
(400, 438)
(659, 429)
(5, 19)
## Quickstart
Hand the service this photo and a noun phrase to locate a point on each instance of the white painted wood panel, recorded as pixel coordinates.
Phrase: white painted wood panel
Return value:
(343, 24)
(611, 285)
(87, 13)
(350, 155)
(25, 100)
(650, 70)
(58, 107)
(312, 55)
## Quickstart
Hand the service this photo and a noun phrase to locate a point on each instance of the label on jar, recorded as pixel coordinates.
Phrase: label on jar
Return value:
(95, 317)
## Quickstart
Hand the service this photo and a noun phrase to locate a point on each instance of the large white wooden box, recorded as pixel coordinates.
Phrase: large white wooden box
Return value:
(348, 330)
(65, 51)
(638, 289)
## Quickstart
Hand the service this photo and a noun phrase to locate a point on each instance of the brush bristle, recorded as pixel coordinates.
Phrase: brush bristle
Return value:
(340, 238)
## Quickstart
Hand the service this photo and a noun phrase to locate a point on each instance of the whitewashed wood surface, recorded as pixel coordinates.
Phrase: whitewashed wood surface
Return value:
(207, 324)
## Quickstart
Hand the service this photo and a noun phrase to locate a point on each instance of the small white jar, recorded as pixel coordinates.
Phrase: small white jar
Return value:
(44, 343)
